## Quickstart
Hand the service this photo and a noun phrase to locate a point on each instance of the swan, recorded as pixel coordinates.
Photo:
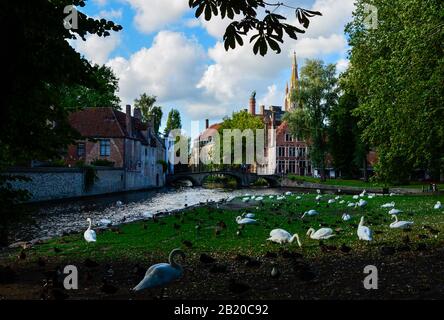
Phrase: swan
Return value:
(363, 193)
(356, 197)
(346, 217)
(318, 191)
(162, 274)
(388, 205)
(351, 204)
(245, 199)
(342, 202)
(288, 193)
(119, 203)
(395, 211)
(89, 234)
(241, 220)
(438, 205)
(259, 198)
(362, 203)
(323, 233)
(400, 224)
(337, 197)
(331, 201)
(248, 215)
(280, 198)
(298, 198)
(364, 232)
(106, 222)
(319, 197)
(392, 194)
(310, 213)
(270, 197)
(281, 236)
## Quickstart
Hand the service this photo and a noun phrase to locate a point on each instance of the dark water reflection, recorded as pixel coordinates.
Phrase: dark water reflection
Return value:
(55, 219)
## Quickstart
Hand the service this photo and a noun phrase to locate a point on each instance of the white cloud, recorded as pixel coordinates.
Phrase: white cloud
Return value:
(342, 65)
(169, 69)
(111, 14)
(97, 49)
(153, 15)
(100, 3)
(272, 97)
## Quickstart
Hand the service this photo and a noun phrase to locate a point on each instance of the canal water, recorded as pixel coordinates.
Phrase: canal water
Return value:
(64, 217)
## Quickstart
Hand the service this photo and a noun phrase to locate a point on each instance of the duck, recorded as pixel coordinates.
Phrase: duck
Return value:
(400, 224)
(346, 217)
(162, 274)
(89, 234)
(310, 213)
(323, 233)
(282, 236)
(242, 221)
(364, 232)
(438, 205)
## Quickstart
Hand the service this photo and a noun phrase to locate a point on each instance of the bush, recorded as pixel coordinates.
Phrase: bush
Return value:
(90, 174)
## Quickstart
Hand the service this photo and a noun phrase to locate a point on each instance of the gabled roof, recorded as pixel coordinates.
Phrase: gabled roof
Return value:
(106, 123)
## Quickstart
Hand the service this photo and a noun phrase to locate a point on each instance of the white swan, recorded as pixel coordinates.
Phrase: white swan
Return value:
(323, 233)
(364, 232)
(400, 224)
(310, 213)
(105, 222)
(318, 191)
(388, 205)
(259, 198)
(281, 236)
(346, 217)
(362, 203)
(288, 193)
(351, 204)
(331, 201)
(162, 274)
(245, 199)
(298, 198)
(248, 215)
(342, 202)
(280, 198)
(319, 197)
(356, 197)
(119, 203)
(89, 234)
(363, 193)
(241, 220)
(337, 197)
(395, 211)
(270, 197)
(438, 205)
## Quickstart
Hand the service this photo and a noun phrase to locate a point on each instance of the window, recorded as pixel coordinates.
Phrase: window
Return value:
(292, 166)
(281, 166)
(292, 152)
(281, 151)
(81, 149)
(105, 148)
(288, 137)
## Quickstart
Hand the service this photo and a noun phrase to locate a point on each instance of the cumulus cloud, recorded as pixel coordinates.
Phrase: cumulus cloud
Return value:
(169, 69)
(342, 65)
(273, 96)
(97, 49)
(153, 15)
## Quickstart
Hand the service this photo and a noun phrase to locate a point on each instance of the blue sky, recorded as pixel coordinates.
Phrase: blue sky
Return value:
(165, 51)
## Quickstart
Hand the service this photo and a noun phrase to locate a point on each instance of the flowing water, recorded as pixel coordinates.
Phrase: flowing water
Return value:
(56, 219)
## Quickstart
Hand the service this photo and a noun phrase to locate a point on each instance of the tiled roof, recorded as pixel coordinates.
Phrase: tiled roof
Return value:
(106, 123)
(210, 131)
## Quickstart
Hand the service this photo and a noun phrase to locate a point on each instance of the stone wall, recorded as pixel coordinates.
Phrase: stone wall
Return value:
(62, 183)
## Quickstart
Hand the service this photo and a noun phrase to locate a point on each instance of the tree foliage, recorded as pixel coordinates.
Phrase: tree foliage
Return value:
(173, 121)
(266, 32)
(318, 95)
(397, 73)
(150, 112)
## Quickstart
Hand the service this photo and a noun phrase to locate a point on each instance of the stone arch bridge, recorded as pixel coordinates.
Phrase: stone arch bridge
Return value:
(244, 179)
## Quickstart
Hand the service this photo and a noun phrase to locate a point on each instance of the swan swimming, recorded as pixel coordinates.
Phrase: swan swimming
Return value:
(364, 232)
(400, 224)
(89, 234)
(241, 220)
(162, 274)
(321, 234)
(281, 236)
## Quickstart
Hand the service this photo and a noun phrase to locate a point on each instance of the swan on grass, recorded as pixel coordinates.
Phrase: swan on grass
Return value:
(364, 232)
(281, 236)
(331, 201)
(438, 205)
(388, 205)
(241, 220)
(288, 193)
(400, 224)
(162, 274)
(362, 203)
(346, 217)
(395, 211)
(321, 234)
(248, 215)
(89, 234)
(310, 213)
(351, 204)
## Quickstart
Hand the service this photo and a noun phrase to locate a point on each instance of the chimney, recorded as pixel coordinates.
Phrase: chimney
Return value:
(207, 123)
(262, 110)
(128, 120)
(138, 113)
(253, 105)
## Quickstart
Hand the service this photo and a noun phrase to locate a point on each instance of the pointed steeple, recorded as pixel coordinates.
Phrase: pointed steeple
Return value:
(294, 85)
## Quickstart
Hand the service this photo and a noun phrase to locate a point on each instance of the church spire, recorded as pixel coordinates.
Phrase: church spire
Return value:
(294, 85)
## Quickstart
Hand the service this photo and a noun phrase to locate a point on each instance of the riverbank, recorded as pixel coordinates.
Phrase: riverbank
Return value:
(409, 261)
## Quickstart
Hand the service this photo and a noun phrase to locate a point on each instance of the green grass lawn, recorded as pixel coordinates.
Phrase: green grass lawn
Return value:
(360, 183)
(136, 241)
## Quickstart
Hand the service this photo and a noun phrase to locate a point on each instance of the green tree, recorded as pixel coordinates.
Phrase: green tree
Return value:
(102, 94)
(150, 112)
(318, 95)
(173, 121)
(266, 32)
(397, 75)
